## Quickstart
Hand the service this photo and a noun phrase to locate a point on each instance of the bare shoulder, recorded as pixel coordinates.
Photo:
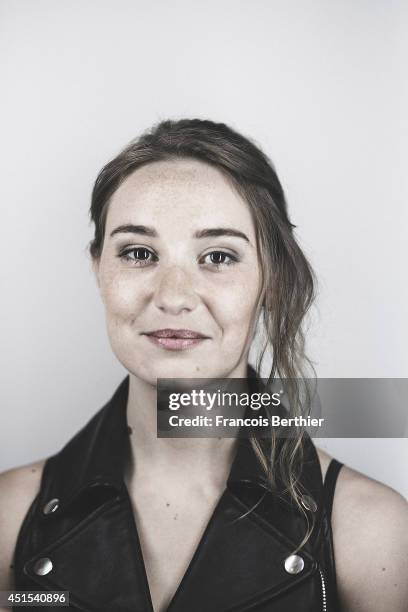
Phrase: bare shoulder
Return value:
(18, 488)
(370, 534)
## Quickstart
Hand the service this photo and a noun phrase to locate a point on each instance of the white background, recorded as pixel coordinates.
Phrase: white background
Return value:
(321, 86)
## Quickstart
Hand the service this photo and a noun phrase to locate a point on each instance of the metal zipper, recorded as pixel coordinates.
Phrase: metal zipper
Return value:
(324, 596)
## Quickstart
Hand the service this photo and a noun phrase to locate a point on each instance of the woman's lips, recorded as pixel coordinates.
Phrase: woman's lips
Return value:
(176, 340)
(175, 344)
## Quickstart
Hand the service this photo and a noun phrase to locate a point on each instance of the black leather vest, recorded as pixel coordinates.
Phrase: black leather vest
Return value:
(90, 538)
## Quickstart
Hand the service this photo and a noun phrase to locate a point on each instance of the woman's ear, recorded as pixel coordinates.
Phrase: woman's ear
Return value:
(95, 268)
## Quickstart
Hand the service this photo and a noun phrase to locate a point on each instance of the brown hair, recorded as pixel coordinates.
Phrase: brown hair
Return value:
(288, 280)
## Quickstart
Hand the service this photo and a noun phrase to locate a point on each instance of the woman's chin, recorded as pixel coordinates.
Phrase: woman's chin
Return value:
(151, 373)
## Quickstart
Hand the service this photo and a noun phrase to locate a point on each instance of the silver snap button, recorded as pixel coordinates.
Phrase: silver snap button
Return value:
(51, 506)
(294, 564)
(42, 566)
(308, 503)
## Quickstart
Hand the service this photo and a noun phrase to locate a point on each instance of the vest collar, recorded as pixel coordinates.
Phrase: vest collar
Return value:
(97, 454)
(95, 458)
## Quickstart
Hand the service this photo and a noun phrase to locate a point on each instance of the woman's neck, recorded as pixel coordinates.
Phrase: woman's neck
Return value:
(206, 459)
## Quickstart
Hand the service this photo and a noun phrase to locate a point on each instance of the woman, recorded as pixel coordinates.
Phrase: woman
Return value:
(193, 247)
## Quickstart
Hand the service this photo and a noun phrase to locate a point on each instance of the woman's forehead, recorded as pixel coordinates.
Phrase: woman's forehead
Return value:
(187, 171)
(178, 191)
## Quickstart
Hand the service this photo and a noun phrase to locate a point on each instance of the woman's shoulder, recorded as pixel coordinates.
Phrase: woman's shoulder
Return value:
(18, 488)
(370, 535)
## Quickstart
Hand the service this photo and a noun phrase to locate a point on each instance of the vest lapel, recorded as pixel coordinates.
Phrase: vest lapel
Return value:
(239, 563)
(98, 562)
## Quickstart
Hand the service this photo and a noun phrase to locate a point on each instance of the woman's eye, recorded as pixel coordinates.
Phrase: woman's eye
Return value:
(138, 255)
(219, 258)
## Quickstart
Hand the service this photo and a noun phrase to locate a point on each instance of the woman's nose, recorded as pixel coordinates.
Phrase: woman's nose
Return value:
(175, 291)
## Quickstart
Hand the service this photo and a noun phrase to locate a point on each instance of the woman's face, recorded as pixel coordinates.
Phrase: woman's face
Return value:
(179, 253)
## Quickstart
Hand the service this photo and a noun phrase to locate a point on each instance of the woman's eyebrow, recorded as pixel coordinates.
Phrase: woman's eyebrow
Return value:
(220, 231)
(134, 229)
(203, 233)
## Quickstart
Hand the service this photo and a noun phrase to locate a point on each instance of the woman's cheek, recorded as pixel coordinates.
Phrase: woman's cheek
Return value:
(122, 296)
(237, 300)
